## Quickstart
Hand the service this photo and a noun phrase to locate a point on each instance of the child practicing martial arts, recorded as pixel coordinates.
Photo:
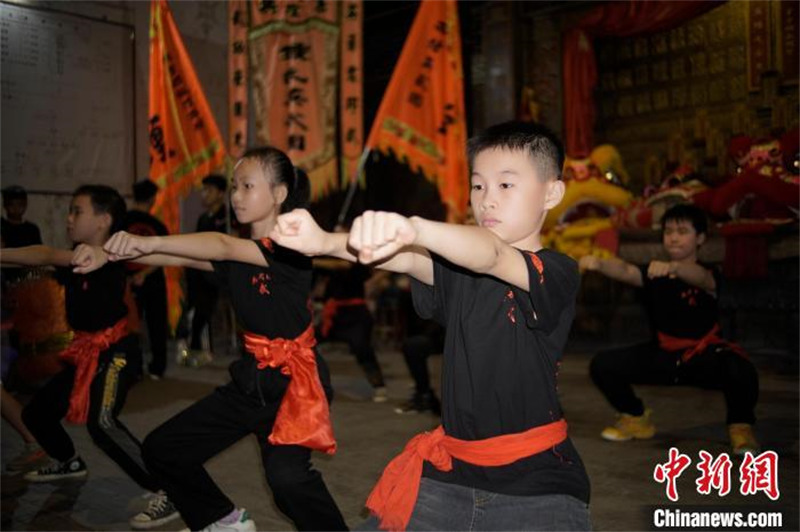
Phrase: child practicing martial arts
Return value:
(280, 391)
(501, 460)
(681, 298)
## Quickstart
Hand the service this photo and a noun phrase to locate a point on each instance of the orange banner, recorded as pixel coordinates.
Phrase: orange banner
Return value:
(421, 118)
(295, 61)
(237, 77)
(351, 111)
(185, 144)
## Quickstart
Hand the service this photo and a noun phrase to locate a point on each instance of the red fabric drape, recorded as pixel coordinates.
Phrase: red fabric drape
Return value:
(618, 19)
(304, 416)
(84, 353)
(394, 496)
(696, 346)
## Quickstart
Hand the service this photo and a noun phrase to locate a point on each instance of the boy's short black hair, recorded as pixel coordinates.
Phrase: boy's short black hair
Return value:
(536, 140)
(14, 192)
(105, 200)
(144, 190)
(689, 213)
(216, 180)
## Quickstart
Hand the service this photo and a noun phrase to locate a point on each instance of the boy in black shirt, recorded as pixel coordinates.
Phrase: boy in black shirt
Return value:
(18, 232)
(101, 363)
(213, 194)
(148, 283)
(501, 459)
(681, 298)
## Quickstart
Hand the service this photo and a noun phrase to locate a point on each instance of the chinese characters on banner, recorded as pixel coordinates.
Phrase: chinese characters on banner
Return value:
(758, 42)
(421, 118)
(237, 76)
(184, 142)
(788, 32)
(351, 113)
(756, 474)
(295, 58)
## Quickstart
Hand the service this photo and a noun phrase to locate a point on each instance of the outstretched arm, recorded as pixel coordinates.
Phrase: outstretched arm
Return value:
(299, 231)
(209, 246)
(379, 235)
(616, 269)
(35, 256)
(159, 259)
(87, 259)
(692, 273)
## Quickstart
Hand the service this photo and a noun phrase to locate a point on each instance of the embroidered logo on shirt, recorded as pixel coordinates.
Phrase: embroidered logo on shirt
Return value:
(261, 281)
(537, 263)
(690, 295)
(510, 313)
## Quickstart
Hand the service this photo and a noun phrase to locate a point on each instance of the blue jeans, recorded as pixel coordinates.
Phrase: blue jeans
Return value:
(442, 506)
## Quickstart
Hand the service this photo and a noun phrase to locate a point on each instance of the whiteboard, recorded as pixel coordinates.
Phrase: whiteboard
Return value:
(67, 91)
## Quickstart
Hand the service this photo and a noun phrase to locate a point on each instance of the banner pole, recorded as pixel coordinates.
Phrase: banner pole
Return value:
(351, 192)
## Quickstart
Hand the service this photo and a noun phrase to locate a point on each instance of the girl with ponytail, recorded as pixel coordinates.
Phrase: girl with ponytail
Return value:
(280, 392)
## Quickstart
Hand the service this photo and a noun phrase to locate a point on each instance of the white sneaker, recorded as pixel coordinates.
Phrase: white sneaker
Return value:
(158, 512)
(181, 352)
(243, 524)
(196, 358)
(380, 395)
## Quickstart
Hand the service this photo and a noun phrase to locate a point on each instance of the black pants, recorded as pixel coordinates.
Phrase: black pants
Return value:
(425, 338)
(116, 372)
(717, 368)
(203, 294)
(151, 300)
(176, 451)
(416, 350)
(353, 324)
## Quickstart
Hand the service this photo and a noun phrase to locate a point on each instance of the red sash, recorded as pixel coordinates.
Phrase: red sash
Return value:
(393, 497)
(694, 346)
(304, 415)
(83, 353)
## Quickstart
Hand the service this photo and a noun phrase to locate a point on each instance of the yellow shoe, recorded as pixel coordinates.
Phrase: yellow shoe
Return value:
(629, 427)
(742, 439)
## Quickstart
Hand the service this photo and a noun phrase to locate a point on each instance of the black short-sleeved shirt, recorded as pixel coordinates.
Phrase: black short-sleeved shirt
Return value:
(347, 283)
(20, 235)
(141, 223)
(502, 352)
(679, 309)
(271, 301)
(96, 300)
(213, 222)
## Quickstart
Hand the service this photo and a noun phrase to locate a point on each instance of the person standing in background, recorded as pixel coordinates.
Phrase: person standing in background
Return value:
(17, 232)
(148, 283)
(202, 290)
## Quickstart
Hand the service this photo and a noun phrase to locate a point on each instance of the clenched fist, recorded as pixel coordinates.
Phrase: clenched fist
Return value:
(379, 235)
